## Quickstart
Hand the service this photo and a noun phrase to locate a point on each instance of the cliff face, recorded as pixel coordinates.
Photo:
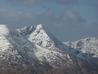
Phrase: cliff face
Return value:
(33, 50)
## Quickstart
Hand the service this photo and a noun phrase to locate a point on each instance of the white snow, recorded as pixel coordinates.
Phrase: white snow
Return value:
(87, 45)
(4, 30)
(46, 48)
(40, 37)
(54, 58)
(39, 45)
(4, 43)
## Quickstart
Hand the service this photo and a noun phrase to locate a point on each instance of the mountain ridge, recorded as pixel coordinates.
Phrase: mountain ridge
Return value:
(39, 51)
(87, 45)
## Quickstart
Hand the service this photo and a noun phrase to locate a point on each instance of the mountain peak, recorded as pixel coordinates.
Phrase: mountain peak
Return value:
(45, 39)
(87, 45)
(4, 29)
(40, 36)
(39, 51)
(26, 30)
(40, 26)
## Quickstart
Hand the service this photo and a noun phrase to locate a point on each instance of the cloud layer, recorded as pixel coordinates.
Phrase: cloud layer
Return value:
(67, 19)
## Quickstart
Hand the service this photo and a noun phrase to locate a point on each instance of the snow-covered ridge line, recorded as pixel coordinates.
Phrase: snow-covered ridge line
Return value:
(38, 48)
(87, 45)
(45, 39)
(3, 29)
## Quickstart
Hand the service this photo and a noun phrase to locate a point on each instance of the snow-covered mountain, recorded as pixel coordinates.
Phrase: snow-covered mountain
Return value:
(48, 48)
(88, 45)
(33, 50)
(6, 47)
(39, 36)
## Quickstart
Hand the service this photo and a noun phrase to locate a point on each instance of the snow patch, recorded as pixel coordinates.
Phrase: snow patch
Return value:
(4, 30)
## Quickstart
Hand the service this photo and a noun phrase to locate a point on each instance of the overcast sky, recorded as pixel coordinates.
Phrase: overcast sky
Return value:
(66, 19)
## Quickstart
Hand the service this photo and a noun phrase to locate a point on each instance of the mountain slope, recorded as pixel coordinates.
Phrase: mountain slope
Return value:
(46, 49)
(46, 40)
(88, 45)
(33, 50)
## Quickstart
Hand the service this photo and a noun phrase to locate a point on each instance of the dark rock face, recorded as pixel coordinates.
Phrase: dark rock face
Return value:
(32, 50)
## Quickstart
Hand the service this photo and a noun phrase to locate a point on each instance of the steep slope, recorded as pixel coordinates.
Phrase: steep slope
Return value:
(6, 48)
(52, 50)
(46, 50)
(32, 50)
(16, 53)
(40, 36)
(9, 57)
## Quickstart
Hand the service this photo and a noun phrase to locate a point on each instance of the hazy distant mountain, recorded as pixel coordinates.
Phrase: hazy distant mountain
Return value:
(88, 45)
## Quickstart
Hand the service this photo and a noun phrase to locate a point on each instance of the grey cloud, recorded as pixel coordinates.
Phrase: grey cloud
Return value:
(68, 25)
(11, 15)
(65, 1)
(41, 1)
(13, 18)
(25, 2)
(47, 17)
